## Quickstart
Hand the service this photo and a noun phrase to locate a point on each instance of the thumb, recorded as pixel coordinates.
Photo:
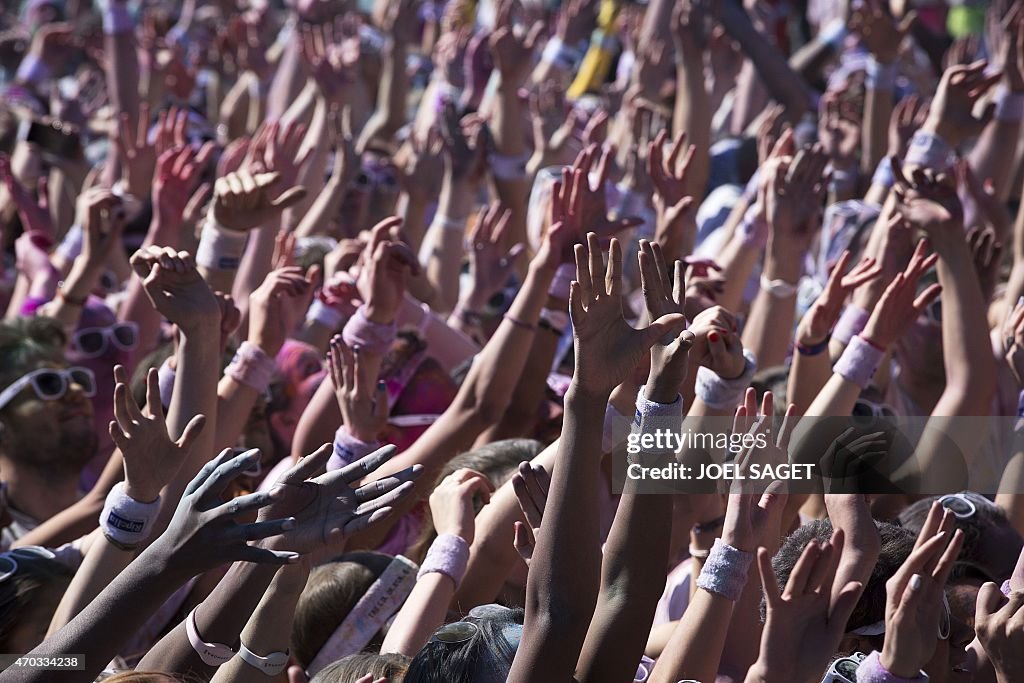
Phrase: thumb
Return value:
(513, 255)
(289, 197)
(192, 431)
(908, 22)
(668, 324)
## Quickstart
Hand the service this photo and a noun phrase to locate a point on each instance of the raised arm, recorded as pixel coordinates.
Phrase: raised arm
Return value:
(561, 592)
(636, 555)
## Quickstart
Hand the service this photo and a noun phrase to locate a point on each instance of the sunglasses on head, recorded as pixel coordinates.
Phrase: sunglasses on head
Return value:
(92, 342)
(51, 384)
(963, 505)
(866, 412)
(9, 560)
(462, 631)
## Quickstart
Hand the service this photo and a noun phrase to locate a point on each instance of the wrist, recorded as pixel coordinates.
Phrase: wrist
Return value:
(141, 494)
(784, 262)
(894, 665)
(380, 315)
(586, 397)
(661, 390)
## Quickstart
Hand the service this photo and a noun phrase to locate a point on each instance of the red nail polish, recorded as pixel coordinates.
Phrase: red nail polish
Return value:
(713, 337)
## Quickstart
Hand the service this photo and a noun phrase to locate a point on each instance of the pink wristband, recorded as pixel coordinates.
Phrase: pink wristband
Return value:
(448, 555)
(851, 322)
(348, 449)
(362, 332)
(251, 366)
(754, 229)
(871, 671)
(859, 362)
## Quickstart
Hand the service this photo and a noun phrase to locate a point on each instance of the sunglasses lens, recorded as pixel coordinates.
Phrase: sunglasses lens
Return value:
(49, 384)
(125, 336)
(459, 632)
(958, 506)
(85, 379)
(90, 342)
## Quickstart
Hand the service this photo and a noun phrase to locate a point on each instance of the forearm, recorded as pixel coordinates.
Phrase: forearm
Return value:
(288, 81)
(78, 285)
(696, 645)
(783, 84)
(220, 619)
(391, 96)
(693, 116)
(122, 66)
(737, 261)
(423, 613)
(967, 353)
(992, 158)
(878, 106)
(441, 252)
(101, 565)
(807, 377)
(633, 578)
(234, 406)
(326, 204)
(768, 329)
(270, 628)
(103, 626)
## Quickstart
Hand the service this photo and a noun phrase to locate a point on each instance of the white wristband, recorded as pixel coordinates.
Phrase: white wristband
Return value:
(124, 519)
(220, 248)
(928, 150)
(212, 654)
(879, 76)
(271, 665)
(720, 393)
(778, 288)
(325, 315)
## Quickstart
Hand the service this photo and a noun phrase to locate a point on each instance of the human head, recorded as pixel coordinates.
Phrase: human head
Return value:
(479, 649)
(391, 666)
(991, 544)
(29, 597)
(896, 545)
(331, 592)
(56, 436)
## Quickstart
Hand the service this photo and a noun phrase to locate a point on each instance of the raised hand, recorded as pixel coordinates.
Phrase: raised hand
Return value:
(178, 171)
(554, 126)
(421, 160)
(102, 218)
(329, 508)
(849, 457)
(607, 348)
(151, 457)
(589, 196)
(361, 398)
(383, 277)
(204, 533)
(275, 149)
(531, 485)
(881, 33)
(839, 126)
(176, 289)
(773, 452)
(716, 344)
(513, 52)
(674, 206)
(242, 201)
(804, 623)
(490, 264)
(908, 115)
(915, 595)
(951, 114)
(670, 355)
(791, 199)
(999, 623)
(453, 504)
(817, 324)
(928, 201)
(276, 306)
(34, 213)
(900, 305)
(465, 156)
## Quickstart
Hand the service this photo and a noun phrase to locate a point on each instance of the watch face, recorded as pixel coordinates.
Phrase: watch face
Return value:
(847, 668)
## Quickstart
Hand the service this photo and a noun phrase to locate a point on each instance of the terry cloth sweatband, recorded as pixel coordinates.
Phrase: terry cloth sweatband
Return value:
(348, 449)
(380, 602)
(220, 248)
(859, 362)
(251, 366)
(124, 519)
(362, 332)
(719, 393)
(871, 670)
(725, 570)
(448, 555)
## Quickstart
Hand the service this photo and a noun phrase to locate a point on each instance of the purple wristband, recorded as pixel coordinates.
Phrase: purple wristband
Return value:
(872, 671)
(348, 449)
(725, 570)
(1005, 588)
(851, 322)
(362, 332)
(859, 362)
(251, 366)
(448, 555)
